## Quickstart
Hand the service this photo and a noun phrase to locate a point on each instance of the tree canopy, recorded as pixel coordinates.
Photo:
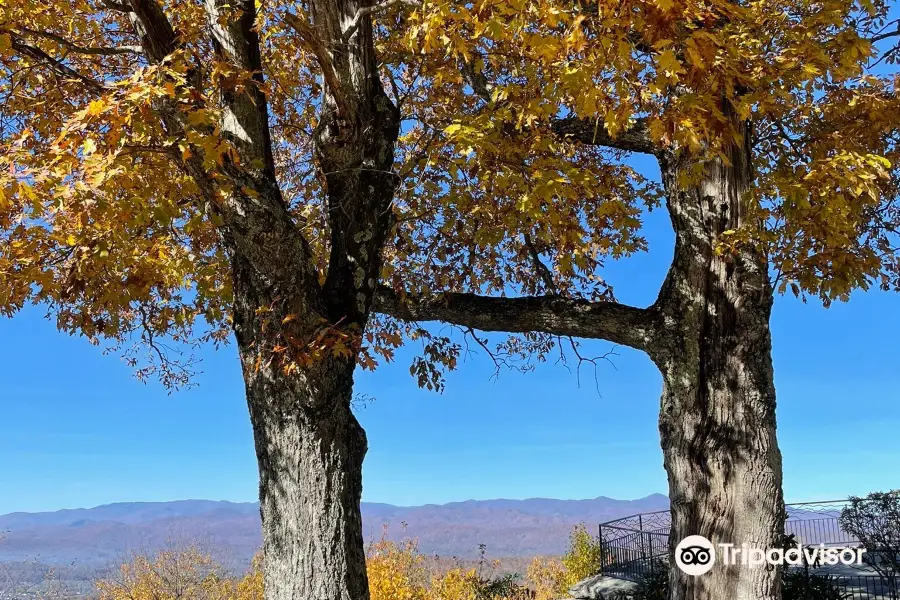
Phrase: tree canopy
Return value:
(517, 115)
(319, 177)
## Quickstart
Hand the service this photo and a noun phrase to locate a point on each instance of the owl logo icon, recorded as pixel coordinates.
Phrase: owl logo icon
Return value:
(695, 555)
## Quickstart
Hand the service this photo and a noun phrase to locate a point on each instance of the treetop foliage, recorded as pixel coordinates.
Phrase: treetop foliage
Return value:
(518, 115)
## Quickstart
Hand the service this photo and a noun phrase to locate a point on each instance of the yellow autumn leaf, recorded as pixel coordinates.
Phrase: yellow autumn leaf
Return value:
(95, 107)
(669, 63)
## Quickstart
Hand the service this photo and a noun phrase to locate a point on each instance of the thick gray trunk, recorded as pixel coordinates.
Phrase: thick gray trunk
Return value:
(310, 451)
(310, 486)
(717, 418)
(309, 446)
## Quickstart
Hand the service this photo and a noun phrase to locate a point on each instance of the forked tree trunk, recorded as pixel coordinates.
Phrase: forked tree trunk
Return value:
(309, 445)
(298, 339)
(717, 418)
(310, 450)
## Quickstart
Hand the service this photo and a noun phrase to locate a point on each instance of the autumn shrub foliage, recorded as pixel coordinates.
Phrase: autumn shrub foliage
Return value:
(584, 557)
(397, 571)
(184, 574)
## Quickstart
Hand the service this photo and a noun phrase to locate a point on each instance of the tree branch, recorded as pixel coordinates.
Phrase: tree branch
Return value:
(58, 66)
(153, 27)
(542, 270)
(617, 323)
(247, 218)
(366, 11)
(593, 132)
(315, 45)
(246, 120)
(889, 34)
(260, 227)
(101, 51)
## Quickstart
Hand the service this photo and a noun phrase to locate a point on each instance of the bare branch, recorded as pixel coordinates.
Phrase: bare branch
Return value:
(58, 66)
(102, 51)
(544, 272)
(887, 34)
(618, 323)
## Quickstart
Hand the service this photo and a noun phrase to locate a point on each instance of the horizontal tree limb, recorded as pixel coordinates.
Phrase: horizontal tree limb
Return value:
(589, 131)
(73, 47)
(611, 321)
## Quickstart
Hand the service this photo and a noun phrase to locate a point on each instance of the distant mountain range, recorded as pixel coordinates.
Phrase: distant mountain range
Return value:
(91, 539)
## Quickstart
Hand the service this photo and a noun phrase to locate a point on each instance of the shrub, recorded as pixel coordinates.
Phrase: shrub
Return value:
(875, 521)
(800, 584)
(250, 586)
(547, 577)
(187, 574)
(655, 584)
(479, 583)
(396, 570)
(583, 558)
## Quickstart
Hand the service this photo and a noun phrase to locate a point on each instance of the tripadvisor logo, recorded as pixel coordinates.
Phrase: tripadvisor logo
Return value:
(696, 555)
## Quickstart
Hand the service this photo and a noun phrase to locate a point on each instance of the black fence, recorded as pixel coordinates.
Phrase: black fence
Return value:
(634, 546)
(864, 588)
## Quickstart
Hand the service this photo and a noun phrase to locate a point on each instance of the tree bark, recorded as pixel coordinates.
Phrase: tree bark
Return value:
(717, 414)
(618, 323)
(708, 332)
(298, 340)
(310, 452)
(309, 449)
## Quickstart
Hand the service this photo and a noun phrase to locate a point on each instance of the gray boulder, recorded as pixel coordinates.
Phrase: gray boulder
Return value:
(603, 587)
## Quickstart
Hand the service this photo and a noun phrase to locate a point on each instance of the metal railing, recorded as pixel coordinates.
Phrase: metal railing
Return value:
(635, 545)
(865, 587)
(814, 523)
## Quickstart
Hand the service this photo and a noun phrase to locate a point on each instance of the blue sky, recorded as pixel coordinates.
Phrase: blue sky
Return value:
(76, 429)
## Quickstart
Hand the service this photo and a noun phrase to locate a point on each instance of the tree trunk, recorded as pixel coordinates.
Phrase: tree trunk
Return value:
(717, 418)
(298, 338)
(299, 349)
(310, 487)
(310, 451)
(708, 332)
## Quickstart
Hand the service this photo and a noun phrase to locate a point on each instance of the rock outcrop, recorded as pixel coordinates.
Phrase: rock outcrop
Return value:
(603, 587)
